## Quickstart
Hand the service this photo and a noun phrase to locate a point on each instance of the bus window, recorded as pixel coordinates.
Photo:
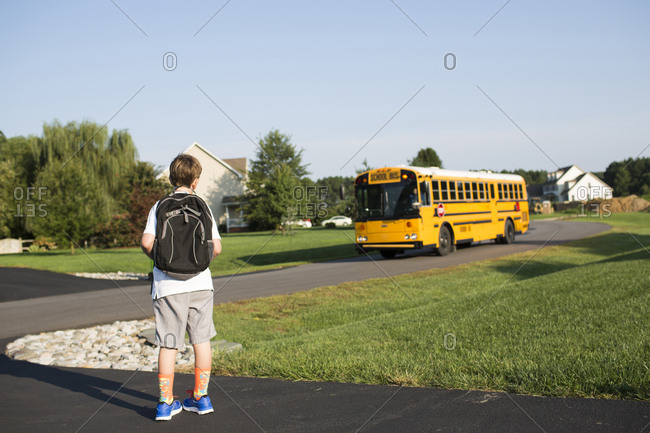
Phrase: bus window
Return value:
(425, 195)
(491, 191)
(444, 193)
(459, 187)
(500, 191)
(436, 190)
(474, 191)
(516, 191)
(481, 191)
(521, 192)
(511, 195)
(468, 191)
(452, 190)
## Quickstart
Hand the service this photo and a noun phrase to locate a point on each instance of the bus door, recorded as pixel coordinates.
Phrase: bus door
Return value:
(426, 211)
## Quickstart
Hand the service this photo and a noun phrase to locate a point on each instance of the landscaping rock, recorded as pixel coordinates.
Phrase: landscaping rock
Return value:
(121, 345)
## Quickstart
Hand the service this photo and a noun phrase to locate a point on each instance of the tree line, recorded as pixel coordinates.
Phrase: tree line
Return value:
(76, 182)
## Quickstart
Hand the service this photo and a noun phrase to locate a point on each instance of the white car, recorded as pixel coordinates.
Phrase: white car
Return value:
(306, 223)
(338, 221)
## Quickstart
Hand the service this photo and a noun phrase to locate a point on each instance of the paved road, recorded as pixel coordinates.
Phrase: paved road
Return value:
(22, 283)
(39, 398)
(127, 302)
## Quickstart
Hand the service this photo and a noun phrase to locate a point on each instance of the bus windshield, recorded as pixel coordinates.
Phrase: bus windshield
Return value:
(387, 200)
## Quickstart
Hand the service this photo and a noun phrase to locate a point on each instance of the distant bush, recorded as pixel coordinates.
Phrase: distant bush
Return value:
(42, 243)
(33, 248)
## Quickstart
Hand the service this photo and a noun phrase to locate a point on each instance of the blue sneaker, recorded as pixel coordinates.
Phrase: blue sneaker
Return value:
(200, 406)
(165, 412)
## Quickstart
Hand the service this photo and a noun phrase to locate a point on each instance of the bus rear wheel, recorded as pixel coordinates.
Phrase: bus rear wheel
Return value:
(388, 254)
(508, 233)
(444, 242)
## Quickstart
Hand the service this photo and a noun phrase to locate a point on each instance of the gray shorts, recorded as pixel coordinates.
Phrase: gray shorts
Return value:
(190, 311)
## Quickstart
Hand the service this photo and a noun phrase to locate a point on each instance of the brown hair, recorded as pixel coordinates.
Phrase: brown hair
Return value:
(183, 170)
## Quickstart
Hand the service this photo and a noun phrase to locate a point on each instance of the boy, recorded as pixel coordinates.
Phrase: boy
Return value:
(181, 305)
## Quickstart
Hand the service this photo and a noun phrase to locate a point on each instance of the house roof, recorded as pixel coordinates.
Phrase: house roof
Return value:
(562, 172)
(216, 158)
(593, 176)
(238, 164)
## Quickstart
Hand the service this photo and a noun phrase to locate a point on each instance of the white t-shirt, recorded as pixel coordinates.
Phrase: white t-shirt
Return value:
(163, 284)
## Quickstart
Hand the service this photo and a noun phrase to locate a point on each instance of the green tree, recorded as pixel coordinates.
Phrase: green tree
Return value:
(8, 202)
(426, 158)
(364, 167)
(532, 177)
(73, 204)
(84, 172)
(630, 176)
(623, 183)
(330, 188)
(272, 179)
(18, 173)
(144, 189)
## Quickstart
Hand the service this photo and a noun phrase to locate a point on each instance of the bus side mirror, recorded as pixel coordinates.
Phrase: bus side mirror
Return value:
(416, 205)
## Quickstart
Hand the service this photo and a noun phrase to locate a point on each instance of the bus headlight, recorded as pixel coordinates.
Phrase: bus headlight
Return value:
(407, 237)
(414, 236)
(361, 238)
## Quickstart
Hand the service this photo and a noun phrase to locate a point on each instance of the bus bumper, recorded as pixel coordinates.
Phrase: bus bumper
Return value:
(400, 246)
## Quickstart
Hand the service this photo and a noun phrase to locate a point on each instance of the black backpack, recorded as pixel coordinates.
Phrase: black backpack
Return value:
(183, 246)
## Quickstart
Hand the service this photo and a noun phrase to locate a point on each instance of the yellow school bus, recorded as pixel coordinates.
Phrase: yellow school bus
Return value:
(402, 208)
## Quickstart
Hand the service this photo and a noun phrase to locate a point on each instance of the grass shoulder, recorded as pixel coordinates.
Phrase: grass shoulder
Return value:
(571, 322)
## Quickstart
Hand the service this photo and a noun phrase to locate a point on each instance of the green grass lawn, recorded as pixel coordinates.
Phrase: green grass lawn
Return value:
(569, 320)
(243, 252)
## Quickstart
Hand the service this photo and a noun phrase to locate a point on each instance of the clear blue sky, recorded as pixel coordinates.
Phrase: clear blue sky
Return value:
(572, 75)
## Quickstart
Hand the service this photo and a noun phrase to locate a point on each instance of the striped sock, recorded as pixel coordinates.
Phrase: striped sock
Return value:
(166, 386)
(201, 379)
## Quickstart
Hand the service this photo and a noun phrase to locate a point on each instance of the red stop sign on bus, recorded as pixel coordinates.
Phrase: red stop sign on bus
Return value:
(440, 210)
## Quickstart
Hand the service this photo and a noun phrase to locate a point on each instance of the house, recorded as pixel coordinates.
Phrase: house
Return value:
(222, 186)
(572, 184)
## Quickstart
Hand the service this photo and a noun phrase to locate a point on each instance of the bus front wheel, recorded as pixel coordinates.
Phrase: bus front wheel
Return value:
(388, 254)
(508, 233)
(444, 242)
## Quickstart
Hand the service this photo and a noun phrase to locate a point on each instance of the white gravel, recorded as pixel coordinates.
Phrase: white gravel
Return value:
(117, 346)
(112, 275)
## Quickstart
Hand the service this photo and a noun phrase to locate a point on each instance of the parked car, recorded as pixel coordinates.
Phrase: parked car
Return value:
(338, 221)
(306, 223)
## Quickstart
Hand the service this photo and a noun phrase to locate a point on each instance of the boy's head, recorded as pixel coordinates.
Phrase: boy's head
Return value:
(184, 170)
